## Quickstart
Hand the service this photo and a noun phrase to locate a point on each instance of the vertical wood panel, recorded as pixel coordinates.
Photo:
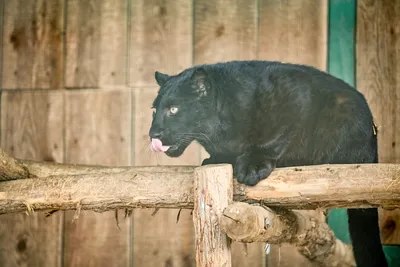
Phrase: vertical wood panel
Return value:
(96, 38)
(32, 128)
(161, 39)
(285, 255)
(32, 125)
(378, 70)
(98, 127)
(226, 30)
(389, 226)
(378, 77)
(251, 254)
(98, 131)
(1, 41)
(30, 240)
(293, 31)
(33, 44)
(159, 240)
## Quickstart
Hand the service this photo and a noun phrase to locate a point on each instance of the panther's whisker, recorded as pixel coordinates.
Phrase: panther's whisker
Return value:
(157, 158)
(200, 135)
(145, 147)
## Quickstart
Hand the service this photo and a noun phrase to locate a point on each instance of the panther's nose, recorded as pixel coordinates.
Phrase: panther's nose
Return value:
(156, 134)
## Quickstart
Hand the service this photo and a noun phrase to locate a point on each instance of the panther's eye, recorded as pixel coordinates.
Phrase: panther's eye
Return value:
(173, 110)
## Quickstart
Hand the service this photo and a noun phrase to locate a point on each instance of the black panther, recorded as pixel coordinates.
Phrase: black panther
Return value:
(259, 115)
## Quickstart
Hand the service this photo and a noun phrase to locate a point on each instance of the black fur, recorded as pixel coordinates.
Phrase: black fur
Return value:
(258, 115)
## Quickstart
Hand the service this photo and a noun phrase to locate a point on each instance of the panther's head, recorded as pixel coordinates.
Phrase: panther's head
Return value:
(184, 108)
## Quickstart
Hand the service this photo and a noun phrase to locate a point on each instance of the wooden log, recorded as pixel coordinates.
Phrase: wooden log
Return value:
(213, 190)
(313, 238)
(46, 169)
(105, 188)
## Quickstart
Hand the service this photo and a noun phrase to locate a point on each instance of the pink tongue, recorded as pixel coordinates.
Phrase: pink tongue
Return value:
(157, 146)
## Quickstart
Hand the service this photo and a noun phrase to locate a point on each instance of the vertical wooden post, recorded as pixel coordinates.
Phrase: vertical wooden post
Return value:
(213, 191)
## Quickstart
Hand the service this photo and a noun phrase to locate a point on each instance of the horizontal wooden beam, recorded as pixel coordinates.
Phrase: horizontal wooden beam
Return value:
(312, 237)
(59, 186)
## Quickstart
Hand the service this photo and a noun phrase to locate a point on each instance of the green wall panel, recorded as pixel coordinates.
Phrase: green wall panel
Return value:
(341, 63)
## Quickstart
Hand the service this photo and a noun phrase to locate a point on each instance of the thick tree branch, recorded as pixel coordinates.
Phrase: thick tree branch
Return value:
(313, 238)
(60, 186)
(11, 169)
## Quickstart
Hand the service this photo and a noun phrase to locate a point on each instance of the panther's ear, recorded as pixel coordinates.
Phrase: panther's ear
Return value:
(201, 82)
(161, 78)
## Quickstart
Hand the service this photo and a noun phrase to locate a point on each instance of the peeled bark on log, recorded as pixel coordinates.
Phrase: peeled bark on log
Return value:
(11, 169)
(313, 238)
(99, 188)
(100, 191)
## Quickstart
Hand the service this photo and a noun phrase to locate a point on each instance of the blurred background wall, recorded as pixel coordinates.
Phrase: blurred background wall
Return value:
(77, 86)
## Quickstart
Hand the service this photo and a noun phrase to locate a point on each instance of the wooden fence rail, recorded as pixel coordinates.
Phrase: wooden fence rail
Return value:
(27, 186)
(61, 186)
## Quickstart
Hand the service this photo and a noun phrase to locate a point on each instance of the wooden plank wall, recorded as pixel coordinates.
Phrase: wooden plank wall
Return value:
(33, 44)
(378, 77)
(32, 121)
(160, 39)
(97, 61)
(96, 43)
(31, 128)
(97, 131)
